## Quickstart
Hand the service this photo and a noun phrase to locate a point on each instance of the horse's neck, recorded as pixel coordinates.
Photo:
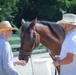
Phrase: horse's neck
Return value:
(48, 39)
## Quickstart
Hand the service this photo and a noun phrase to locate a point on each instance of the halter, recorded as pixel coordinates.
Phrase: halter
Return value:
(33, 45)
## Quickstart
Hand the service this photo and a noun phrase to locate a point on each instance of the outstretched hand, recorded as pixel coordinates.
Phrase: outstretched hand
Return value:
(21, 62)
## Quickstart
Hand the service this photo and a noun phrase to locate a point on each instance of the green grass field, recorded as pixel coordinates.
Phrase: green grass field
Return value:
(12, 42)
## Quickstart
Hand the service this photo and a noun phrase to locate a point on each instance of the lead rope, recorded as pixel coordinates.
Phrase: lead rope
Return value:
(32, 66)
(51, 55)
(31, 58)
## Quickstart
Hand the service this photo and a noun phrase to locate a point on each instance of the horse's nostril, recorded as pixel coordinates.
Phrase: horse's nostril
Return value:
(20, 57)
(23, 57)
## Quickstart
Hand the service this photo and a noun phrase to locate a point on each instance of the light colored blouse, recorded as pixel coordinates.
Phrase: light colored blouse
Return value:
(6, 58)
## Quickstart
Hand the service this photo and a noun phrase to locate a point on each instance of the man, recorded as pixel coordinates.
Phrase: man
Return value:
(6, 56)
(67, 59)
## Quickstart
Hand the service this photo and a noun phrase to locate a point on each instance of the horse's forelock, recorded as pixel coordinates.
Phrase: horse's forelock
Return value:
(26, 25)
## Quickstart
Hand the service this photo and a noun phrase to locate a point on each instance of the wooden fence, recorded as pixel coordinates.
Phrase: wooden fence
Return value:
(18, 45)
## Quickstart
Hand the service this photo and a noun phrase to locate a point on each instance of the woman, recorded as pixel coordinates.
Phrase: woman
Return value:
(6, 56)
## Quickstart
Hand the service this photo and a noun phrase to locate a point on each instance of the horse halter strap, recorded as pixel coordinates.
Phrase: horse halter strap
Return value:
(34, 44)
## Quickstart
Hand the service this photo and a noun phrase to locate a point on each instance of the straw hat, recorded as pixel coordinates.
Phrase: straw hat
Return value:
(68, 18)
(5, 25)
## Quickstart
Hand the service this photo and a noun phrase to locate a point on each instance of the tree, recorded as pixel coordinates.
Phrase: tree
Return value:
(7, 9)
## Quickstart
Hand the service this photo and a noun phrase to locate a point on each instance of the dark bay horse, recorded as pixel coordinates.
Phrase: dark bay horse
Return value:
(33, 33)
(47, 33)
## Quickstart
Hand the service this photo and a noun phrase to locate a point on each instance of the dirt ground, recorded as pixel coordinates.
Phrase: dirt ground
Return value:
(39, 64)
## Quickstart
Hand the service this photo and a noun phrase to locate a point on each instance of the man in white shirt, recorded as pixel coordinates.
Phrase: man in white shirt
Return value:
(67, 59)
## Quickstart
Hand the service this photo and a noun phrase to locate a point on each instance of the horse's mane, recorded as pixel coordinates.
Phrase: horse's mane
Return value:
(56, 28)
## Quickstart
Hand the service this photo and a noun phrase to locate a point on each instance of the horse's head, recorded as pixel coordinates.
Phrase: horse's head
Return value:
(30, 39)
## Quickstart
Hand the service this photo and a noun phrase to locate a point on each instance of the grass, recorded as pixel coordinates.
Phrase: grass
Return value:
(40, 47)
(12, 42)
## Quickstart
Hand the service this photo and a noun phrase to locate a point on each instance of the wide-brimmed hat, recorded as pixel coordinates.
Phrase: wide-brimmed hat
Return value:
(68, 18)
(5, 25)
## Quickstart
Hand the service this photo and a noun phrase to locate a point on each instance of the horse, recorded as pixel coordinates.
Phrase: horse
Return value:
(49, 34)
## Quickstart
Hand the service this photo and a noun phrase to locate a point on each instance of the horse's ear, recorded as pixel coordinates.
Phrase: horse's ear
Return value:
(33, 23)
(22, 22)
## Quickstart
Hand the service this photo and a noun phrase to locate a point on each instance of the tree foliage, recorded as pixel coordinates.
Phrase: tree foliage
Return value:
(51, 10)
(7, 9)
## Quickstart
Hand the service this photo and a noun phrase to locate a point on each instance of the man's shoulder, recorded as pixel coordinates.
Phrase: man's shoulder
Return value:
(2, 40)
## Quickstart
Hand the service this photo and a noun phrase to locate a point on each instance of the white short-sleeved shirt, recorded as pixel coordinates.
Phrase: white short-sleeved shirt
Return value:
(69, 45)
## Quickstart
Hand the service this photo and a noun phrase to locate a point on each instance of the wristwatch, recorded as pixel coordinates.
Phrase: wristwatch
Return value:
(57, 63)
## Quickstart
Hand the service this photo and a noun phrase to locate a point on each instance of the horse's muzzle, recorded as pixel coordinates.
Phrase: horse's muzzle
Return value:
(24, 57)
